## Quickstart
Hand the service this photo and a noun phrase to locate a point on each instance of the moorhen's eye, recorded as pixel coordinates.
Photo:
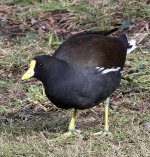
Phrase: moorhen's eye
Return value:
(40, 65)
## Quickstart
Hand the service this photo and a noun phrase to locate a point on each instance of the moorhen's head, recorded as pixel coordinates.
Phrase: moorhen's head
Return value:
(39, 67)
(45, 68)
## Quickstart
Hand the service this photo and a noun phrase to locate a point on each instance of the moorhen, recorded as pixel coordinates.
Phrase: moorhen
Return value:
(83, 71)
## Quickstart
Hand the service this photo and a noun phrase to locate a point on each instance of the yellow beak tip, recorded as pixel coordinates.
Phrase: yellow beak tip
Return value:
(22, 78)
(30, 71)
(27, 75)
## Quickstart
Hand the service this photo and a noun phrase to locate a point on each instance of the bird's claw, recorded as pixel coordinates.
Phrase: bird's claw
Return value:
(73, 132)
(103, 133)
(68, 134)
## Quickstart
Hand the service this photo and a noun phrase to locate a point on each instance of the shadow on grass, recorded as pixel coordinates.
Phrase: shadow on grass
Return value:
(53, 121)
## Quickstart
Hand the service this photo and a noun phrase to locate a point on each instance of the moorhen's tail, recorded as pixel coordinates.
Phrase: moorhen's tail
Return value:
(130, 45)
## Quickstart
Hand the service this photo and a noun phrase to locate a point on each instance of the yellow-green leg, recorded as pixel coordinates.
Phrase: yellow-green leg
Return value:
(106, 126)
(71, 128)
(72, 121)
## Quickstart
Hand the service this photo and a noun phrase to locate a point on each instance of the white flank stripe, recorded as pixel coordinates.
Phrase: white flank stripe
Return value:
(105, 71)
(99, 68)
(110, 70)
(133, 44)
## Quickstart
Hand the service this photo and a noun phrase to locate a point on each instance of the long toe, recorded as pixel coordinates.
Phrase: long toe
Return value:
(74, 132)
(103, 133)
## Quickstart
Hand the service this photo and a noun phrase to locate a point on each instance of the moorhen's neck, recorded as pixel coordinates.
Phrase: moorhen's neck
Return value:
(57, 70)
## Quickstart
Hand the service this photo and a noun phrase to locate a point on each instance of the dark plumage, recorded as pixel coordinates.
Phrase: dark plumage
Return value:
(84, 70)
(69, 76)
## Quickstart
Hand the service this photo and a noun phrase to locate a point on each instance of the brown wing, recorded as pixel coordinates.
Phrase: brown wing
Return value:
(93, 50)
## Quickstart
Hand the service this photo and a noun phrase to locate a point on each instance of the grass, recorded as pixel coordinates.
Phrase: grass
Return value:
(31, 126)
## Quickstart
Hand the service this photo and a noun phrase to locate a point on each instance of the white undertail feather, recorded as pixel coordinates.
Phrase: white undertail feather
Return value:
(133, 44)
